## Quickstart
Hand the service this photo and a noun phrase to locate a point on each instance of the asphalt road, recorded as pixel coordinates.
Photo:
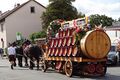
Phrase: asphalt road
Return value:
(113, 73)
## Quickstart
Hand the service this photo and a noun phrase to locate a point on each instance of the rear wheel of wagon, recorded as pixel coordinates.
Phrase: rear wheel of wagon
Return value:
(68, 68)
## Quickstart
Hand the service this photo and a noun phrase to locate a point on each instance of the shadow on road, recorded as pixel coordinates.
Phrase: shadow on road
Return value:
(4, 66)
(106, 77)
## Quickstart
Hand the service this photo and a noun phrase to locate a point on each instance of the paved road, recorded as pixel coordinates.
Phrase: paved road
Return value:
(18, 73)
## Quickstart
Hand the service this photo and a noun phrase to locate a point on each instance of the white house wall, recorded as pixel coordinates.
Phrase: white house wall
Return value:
(114, 35)
(3, 35)
(24, 21)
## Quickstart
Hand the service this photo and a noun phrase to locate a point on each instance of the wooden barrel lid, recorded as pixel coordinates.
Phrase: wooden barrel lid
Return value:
(96, 44)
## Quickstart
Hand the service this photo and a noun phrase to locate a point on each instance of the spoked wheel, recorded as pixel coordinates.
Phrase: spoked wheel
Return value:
(44, 65)
(105, 70)
(68, 68)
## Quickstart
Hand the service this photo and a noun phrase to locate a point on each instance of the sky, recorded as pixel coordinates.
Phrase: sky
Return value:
(110, 8)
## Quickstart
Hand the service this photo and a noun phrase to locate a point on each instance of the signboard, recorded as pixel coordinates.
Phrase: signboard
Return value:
(18, 36)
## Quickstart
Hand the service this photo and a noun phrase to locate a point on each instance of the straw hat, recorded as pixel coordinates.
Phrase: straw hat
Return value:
(69, 51)
(74, 51)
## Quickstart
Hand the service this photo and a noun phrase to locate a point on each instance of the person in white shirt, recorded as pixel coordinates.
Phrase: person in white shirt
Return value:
(12, 55)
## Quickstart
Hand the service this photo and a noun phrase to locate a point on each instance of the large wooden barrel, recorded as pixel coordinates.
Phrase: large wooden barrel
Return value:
(95, 44)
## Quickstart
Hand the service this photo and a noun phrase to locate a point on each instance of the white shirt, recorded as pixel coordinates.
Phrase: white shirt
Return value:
(11, 51)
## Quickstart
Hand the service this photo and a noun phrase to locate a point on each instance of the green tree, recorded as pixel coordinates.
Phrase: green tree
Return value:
(59, 9)
(100, 19)
(119, 19)
(35, 35)
(80, 15)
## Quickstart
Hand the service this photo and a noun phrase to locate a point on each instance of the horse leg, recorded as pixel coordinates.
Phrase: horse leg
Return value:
(37, 63)
(31, 62)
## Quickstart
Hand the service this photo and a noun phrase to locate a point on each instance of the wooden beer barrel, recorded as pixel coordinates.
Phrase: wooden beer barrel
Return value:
(95, 44)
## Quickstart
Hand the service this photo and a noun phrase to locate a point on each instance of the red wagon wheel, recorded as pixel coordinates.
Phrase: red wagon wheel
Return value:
(68, 68)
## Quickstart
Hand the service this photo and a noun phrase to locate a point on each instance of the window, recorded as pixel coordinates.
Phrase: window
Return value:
(32, 9)
(1, 27)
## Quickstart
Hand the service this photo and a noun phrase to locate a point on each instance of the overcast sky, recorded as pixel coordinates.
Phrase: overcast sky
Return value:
(110, 8)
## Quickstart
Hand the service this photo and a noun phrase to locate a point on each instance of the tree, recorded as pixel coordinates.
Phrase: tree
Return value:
(80, 15)
(100, 19)
(59, 9)
(35, 35)
(119, 19)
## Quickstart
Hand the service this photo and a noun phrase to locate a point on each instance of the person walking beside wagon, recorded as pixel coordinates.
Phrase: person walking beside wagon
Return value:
(12, 55)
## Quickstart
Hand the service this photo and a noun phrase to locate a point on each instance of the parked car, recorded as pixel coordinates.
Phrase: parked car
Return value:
(113, 57)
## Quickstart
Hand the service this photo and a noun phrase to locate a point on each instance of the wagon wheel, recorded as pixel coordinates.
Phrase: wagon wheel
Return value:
(105, 70)
(44, 65)
(68, 68)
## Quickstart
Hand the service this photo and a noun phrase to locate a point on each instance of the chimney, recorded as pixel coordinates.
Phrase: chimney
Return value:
(18, 4)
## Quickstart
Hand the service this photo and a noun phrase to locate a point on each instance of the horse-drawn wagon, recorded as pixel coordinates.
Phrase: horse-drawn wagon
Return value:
(74, 49)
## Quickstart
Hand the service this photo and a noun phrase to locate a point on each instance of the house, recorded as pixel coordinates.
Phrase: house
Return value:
(114, 33)
(24, 19)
